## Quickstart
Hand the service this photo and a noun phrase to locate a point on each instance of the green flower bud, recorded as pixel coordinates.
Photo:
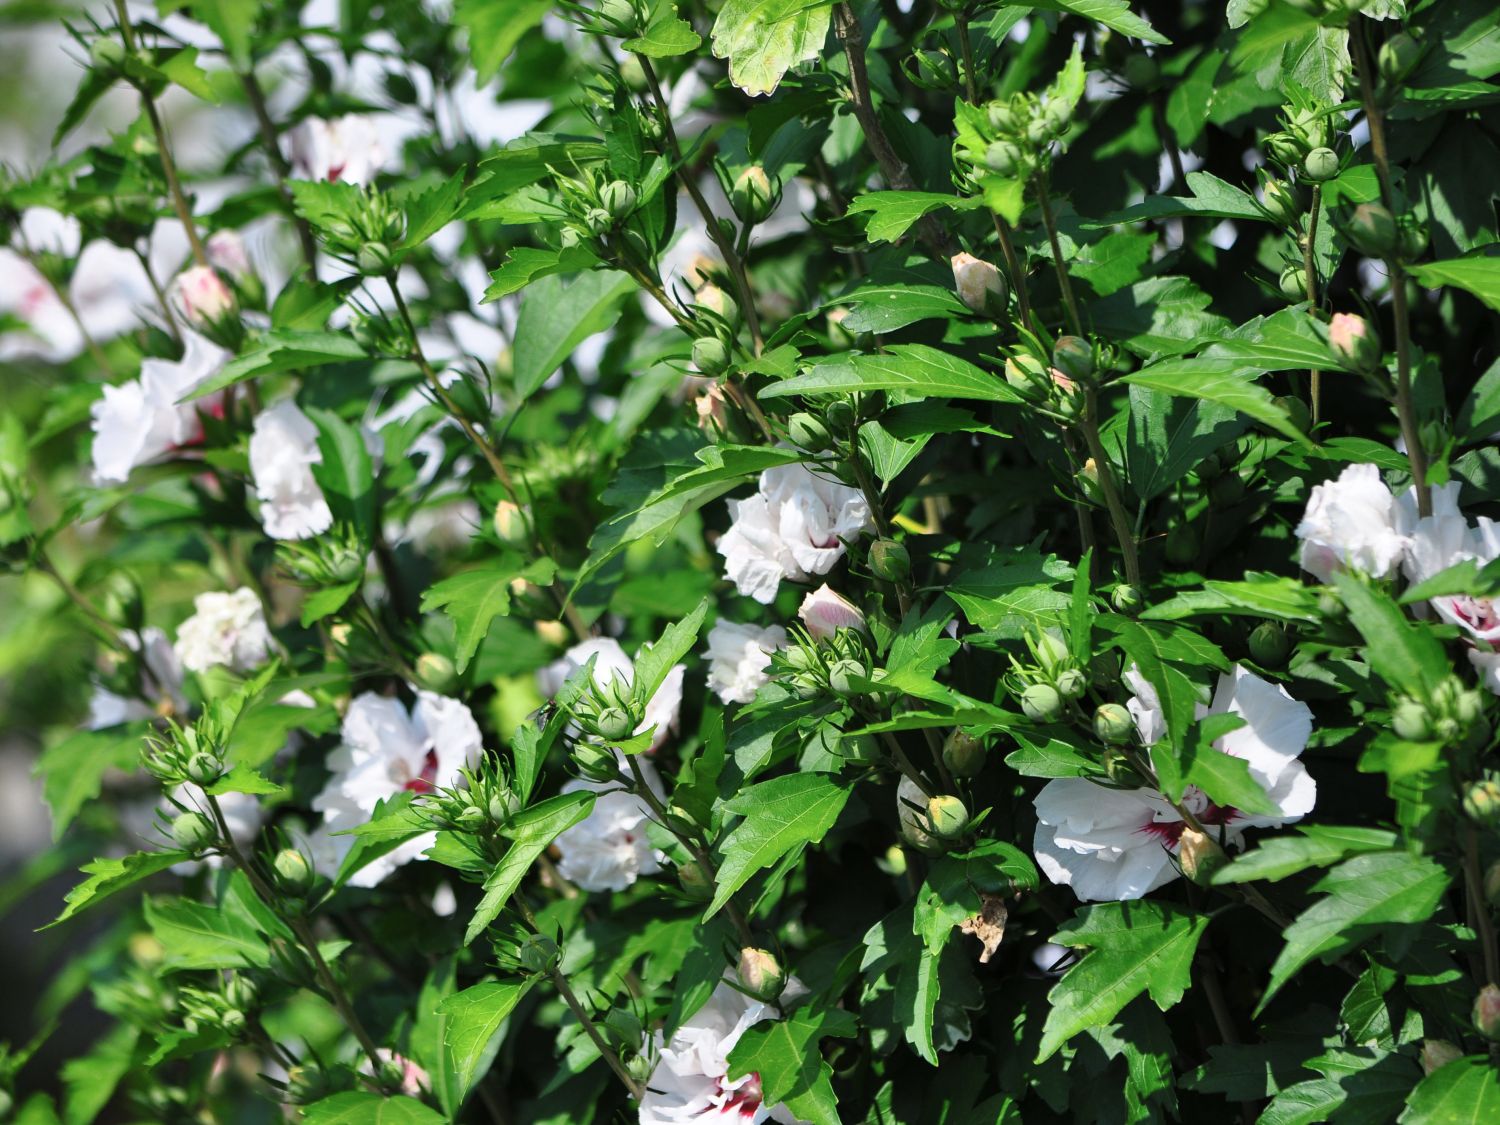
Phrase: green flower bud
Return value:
(963, 754)
(1074, 357)
(436, 672)
(1200, 856)
(595, 762)
(1050, 649)
(1487, 1013)
(615, 724)
(842, 677)
(107, 54)
(1113, 724)
(1398, 55)
(1280, 203)
(307, 1084)
(203, 769)
(753, 196)
(890, 560)
(242, 993)
(1285, 148)
(1041, 703)
(710, 356)
(598, 220)
(1372, 230)
(718, 302)
(1270, 645)
(293, 873)
(511, 525)
(376, 258)
(808, 432)
(1492, 884)
(502, 806)
(1411, 242)
(192, 832)
(1321, 164)
(1002, 116)
(1482, 802)
(618, 198)
(1003, 158)
(1293, 284)
(538, 954)
(695, 882)
(947, 817)
(761, 975)
(839, 414)
(1072, 683)
(1126, 600)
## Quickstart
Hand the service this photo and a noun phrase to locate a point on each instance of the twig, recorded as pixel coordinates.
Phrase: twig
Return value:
(1089, 425)
(257, 98)
(1310, 272)
(1049, 220)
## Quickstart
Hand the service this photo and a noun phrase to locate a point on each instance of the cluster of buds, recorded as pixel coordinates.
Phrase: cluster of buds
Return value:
(1022, 129)
(1055, 382)
(1052, 680)
(1453, 715)
(334, 558)
(229, 1009)
(619, 18)
(1304, 141)
(1375, 232)
(482, 803)
(598, 212)
(931, 824)
(366, 233)
(181, 755)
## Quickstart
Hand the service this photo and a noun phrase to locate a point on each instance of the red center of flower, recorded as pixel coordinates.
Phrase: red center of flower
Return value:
(1477, 613)
(426, 781)
(1169, 832)
(334, 172)
(746, 1100)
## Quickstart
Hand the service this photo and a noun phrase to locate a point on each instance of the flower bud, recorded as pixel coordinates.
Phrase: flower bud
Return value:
(1372, 230)
(839, 414)
(963, 754)
(203, 769)
(1438, 1053)
(843, 675)
(1126, 600)
(1492, 884)
(1293, 284)
(1482, 802)
(618, 198)
(242, 993)
(294, 875)
(824, 612)
(308, 1083)
(980, 285)
(511, 525)
(595, 762)
(716, 301)
(192, 832)
(436, 672)
(889, 559)
(710, 355)
(1048, 646)
(1487, 1013)
(107, 54)
(1270, 645)
(1113, 724)
(375, 258)
(808, 432)
(1285, 148)
(615, 724)
(761, 975)
(537, 954)
(947, 817)
(1200, 856)
(1072, 683)
(1003, 158)
(695, 882)
(1279, 203)
(200, 297)
(1398, 55)
(1354, 341)
(1041, 703)
(1411, 242)
(1074, 357)
(1321, 164)
(753, 196)
(1119, 769)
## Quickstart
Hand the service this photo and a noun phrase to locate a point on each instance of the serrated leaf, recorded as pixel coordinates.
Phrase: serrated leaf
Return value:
(110, 876)
(784, 1053)
(281, 350)
(73, 769)
(1317, 846)
(655, 661)
(782, 814)
(472, 1022)
(531, 833)
(1134, 947)
(892, 213)
(1464, 1092)
(667, 36)
(474, 598)
(763, 39)
(1478, 275)
(1407, 656)
(495, 27)
(913, 369)
(556, 317)
(526, 264)
(1114, 14)
(345, 472)
(1225, 382)
(359, 1107)
(196, 935)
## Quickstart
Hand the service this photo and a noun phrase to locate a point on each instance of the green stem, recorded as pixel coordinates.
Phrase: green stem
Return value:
(1310, 271)
(268, 138)
(161, 296)
(1049, 220)
(1484, 924)
(1118, 517)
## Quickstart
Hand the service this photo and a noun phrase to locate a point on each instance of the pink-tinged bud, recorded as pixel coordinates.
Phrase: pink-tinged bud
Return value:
(1354, 341)
(760, 974)
(227, 254)
(825, 612)
(1200, 856)
(979, 284)
(713, 413)
(1061, 381)
(1438, 1053)
(1487, 1013)
(200, 296)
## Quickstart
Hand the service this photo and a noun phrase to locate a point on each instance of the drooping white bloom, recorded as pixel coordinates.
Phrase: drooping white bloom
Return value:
(386, 750)
(609, 849)
(825, 611)
(611, 663)
(161, 681)
(793, 527)
(344, 150)
(738, 656)
(1112, 844)
(141, 420)
(283, 450)
(225, 628)
(1350, 524)
(691, 1079)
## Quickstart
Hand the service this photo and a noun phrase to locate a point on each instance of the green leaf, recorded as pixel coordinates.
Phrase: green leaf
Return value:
(281, 350)
(1318, 846)
(1135, 947)
(73, 770)
(1464, 1092)
(668, 35)
(763, 39)
(885, 308)
(655, 661)
(782, 814)
(1260, 595)
(1225, 382)
(181, 68)
(359, 1107)
(1478, 275)
(556, 317)
(784, 1053)
(233, 21)
(1049, 759)
(1405, 655)
(1114, 14)
(327, 600)
(892, 213)
(432, 210)
(531, 833)
(346, 473)
(243, 779)
(1359, 1084)
(471, 1029)
(1012, 589)
(1212, 198)
(196, 935)
(1167, 437)
(1362, 894)
(110, 876)
(495, 27)
(474, 598)
(526, 264)
(1224, 778)
(1159, 316)
(913, 369)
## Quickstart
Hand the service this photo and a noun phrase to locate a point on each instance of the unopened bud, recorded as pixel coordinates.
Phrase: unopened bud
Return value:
(716, 301)
(1050, 649)
(1126, 600)
(839, 414)
(1003, 158)
(889, 559)
(808, 432)
(597, 763)
(203, 769)
(1113, 724)
(618, 198)
(947, 817)
(1200, 856)
(242, 993)
(980, 285)
(825, 611)
(963, 754)
(761, 975)
(1482, 802)
(1438, 1053)
(1354, 341)
(843, 677)
(1041, 703)
(1074, 357)
(1270, 645)
(753, 196)
(107, 54)
(200, 297)
(615, 724)
(710, 356)
(1409, 719)
(511, 526)
(294, 875)
(1321, 164)
(192, 832)
(436, 673)
(1280, 203)
(1293, 284)
(1398, 55)
(1072, 683)
(1372, 230)
(695, 882)
(1487, 1013)
(537, 954)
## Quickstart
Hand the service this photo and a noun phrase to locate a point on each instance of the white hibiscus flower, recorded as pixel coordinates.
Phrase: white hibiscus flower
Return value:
(1351, 524)
(225, 629)
(1112, 844)
(161, 680)
(608, 850)
(793, 527)
(738, 656)
(283, 450)
(345, 150)
(387, 750)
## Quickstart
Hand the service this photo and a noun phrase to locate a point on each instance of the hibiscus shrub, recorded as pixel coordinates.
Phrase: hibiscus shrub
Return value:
(766, 560)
